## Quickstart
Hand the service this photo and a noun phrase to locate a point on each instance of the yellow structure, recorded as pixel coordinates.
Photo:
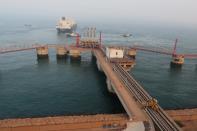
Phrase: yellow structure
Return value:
(153, 104)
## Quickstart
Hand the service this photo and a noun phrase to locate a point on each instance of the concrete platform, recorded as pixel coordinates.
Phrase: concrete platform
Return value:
(101, 122)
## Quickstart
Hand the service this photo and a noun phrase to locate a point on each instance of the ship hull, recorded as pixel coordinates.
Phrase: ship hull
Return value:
(65, 30)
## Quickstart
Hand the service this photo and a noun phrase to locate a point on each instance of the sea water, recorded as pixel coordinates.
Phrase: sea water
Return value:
(51, 87)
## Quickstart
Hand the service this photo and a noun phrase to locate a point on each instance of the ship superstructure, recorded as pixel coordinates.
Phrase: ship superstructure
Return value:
(66, 25)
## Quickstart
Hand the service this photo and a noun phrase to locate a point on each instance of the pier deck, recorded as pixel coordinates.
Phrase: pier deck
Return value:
(138, 104)
(127, 100)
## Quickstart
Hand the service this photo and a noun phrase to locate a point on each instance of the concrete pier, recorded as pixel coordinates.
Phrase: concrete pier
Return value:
(128, 102)
(61, 52)
(42, 52)
(177, 61)
(74, 53)
(132, 96)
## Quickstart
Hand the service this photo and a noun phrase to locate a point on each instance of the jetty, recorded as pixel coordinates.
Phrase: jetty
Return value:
(143, 111)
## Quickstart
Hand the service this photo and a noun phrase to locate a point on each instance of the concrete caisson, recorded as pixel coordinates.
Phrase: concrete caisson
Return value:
(42, 52)
(75, 55)
(61, 52)
(177, 61)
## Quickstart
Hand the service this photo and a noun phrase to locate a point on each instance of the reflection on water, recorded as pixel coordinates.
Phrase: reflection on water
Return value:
(175, 70)
(75, 60)
(61, 56)
(54, 87)
(175, 66)
(64, 39)
(62, 60)
(43, 61)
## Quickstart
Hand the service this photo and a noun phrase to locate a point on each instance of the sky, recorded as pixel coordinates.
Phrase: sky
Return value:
(173, 12)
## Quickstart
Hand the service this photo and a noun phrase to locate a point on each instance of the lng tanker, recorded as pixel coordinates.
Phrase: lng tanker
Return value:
(66, 25)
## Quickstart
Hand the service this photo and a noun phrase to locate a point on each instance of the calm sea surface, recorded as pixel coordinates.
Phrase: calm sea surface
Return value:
(32, 88)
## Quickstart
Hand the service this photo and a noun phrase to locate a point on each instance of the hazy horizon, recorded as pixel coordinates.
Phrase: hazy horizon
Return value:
(152, 12)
